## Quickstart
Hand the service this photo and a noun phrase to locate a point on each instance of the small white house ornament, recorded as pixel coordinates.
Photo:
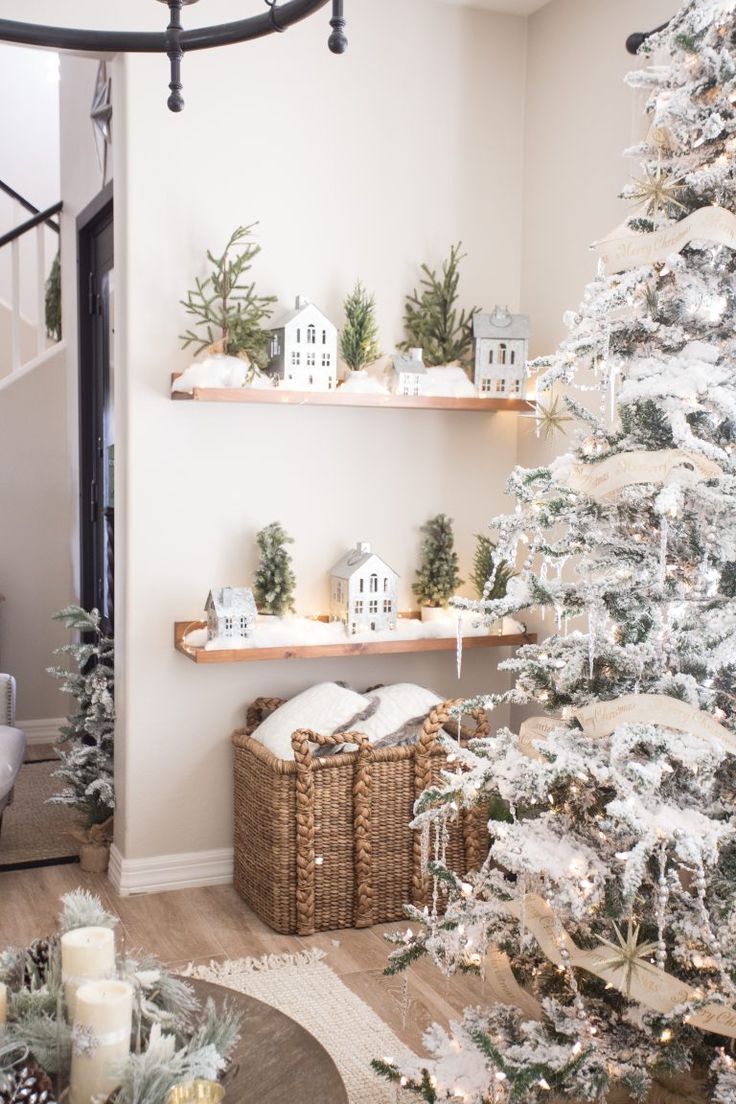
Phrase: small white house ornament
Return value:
(231, 612)
(304, 349)
(363, 591)
(410, 373)
(501, 352)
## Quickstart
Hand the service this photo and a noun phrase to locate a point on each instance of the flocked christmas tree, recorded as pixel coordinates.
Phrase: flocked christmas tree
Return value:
(85, 744)
(275, 580)
(438, 577)
(604, 920)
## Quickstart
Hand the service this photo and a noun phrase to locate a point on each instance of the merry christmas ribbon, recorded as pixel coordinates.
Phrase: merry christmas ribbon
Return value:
(625, 249)
(645, 983)
(627, 468)
(602, 718)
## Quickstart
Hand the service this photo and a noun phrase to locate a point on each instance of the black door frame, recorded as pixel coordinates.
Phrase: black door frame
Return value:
(90, 222)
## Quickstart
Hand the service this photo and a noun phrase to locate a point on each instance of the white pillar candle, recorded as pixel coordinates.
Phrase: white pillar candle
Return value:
(3, 1003)
(100, 1038)
(87, 954)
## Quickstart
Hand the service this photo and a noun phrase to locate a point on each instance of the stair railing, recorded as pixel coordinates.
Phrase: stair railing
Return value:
(38, 221)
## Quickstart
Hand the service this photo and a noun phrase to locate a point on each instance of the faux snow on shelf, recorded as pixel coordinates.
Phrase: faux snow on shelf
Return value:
(220, 371)
(449, 381)
(281, 632)
(363, 383)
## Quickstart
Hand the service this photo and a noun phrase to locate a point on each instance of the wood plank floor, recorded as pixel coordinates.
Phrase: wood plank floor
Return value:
(213, 923)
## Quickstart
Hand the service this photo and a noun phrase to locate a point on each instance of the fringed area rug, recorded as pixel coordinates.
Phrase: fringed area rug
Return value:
(303, 987)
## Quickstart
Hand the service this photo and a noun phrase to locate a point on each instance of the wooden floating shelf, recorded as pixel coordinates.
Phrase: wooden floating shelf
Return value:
(326, 651)
(277, 397)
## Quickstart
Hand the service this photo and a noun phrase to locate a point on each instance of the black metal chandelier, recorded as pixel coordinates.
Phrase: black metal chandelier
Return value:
(175, 41)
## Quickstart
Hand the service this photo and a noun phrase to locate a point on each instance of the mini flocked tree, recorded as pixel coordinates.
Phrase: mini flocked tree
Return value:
(85, 744)
(229, 312)
(604, 920)
(438, 577)
(275, 579)
(432, 320)
(359, 337)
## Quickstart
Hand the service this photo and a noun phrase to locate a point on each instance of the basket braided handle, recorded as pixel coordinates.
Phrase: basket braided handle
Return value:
(427, 746)
(305, 829)
(258, 711)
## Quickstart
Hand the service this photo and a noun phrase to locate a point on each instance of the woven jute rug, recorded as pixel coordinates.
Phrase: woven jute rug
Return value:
(304, 987)
(32, 831)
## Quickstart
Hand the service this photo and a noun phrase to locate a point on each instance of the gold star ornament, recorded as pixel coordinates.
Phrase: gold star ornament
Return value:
(550, 419)
(630, 956)
(658, 192)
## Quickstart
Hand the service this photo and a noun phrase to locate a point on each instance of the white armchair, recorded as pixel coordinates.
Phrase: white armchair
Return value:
(12, 743)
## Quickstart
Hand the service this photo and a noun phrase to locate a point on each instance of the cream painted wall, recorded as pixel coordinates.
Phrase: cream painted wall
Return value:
(35, 508)
(361, 166)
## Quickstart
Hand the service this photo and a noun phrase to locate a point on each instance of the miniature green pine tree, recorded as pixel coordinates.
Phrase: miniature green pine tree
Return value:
(85, 744)
(483, 569)
(52, 301)
(275, 580)
(359, 339)
(437, 577)
(431, 318)
(225, 301)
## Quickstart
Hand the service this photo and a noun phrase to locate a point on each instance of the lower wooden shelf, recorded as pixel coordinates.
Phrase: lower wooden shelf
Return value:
(198, 654)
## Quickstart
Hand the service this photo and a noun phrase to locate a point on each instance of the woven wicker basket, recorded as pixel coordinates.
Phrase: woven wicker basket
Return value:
(325, 843)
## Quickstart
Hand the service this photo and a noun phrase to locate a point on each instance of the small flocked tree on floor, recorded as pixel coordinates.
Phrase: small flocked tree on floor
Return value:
(438, 577)
(275, 579)
(432, 320)
(359, 336)
(604, 920)
(85, 744)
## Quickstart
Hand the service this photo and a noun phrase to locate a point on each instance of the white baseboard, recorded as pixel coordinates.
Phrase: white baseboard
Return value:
(166, 872)
(44, 731)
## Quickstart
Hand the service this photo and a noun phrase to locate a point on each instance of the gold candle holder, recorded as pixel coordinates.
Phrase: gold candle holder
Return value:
(196, 1092)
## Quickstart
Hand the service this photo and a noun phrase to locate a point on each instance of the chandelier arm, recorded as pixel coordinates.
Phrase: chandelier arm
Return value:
(151, 42)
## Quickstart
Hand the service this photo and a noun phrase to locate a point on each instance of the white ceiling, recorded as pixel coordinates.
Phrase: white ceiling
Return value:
(515, 7)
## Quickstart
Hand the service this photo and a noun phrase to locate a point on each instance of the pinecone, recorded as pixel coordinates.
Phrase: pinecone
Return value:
(27, 1085)
(37, 961)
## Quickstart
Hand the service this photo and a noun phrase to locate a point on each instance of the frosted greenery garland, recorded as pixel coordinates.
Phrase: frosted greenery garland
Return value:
(629, 838)
(175, 1039)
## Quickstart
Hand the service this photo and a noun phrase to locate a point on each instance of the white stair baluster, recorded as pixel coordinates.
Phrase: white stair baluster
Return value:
(40, 288)
(15, 305)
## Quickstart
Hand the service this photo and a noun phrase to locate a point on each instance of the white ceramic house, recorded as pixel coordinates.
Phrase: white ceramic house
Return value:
(304, 349)
(363, 591)
(231, 612)
(501, 353)
(410, 373)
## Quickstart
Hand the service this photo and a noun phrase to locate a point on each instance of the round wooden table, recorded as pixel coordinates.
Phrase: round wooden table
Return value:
(278, 1061)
